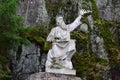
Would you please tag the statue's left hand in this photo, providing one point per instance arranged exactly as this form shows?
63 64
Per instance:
83 11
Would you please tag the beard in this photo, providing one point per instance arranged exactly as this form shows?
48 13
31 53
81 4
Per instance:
62 25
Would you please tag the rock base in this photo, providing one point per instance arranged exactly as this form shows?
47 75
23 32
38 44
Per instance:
52 76
61 71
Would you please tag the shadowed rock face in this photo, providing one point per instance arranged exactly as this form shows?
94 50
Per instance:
116 72
26 62
29 59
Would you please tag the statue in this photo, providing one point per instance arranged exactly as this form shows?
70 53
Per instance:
63 48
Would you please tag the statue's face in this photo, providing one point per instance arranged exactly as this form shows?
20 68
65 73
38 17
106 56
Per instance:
59 20
61 23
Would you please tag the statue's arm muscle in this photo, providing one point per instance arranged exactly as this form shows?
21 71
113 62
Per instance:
75 24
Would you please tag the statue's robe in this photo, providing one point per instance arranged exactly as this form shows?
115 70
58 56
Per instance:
62 46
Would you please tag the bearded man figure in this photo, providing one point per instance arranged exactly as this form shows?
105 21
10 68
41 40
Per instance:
63 47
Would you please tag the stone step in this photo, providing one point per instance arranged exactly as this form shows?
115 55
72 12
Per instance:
52 76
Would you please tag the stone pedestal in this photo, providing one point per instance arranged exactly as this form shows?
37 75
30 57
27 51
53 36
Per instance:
61 71
52 76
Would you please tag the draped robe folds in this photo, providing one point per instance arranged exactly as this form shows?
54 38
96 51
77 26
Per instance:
62 46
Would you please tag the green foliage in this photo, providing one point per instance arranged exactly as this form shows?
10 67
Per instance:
111 44
3 59
88 65
81 40
5 76
86 4
53 9
95 11
38 34
11 33
10 25
4 71
105 31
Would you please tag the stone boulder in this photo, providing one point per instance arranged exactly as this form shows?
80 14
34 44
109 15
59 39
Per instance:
52 76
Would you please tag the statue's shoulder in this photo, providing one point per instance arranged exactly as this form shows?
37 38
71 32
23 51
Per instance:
55 28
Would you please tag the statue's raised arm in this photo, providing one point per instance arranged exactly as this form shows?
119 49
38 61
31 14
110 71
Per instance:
77 21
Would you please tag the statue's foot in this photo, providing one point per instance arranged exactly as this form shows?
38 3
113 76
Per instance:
56 66
61 71
67 63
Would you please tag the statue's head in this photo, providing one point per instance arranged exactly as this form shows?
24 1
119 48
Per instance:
59 20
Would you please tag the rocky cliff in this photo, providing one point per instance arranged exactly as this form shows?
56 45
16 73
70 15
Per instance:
96 50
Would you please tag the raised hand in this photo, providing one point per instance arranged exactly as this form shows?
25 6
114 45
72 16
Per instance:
83 11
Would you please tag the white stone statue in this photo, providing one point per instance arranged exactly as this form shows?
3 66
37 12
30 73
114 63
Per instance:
63 47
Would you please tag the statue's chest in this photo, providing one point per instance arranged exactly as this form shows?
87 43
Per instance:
62 34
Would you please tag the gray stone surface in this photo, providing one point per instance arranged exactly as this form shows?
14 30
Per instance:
34 12
98 48
29 59
61 71
26 61
51 76
109 9
97 42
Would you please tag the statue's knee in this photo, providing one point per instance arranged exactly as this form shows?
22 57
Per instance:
48 63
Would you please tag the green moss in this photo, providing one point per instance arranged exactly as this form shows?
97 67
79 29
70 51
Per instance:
104 26
95 11
53 8
5 76
114 3
88 65
38 34
105 31
111 45
4 70
81 40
